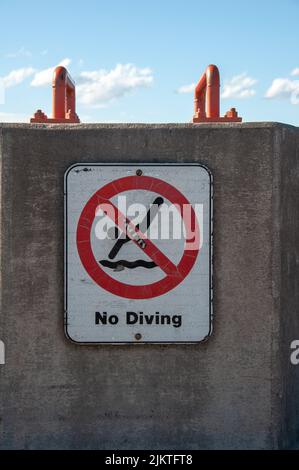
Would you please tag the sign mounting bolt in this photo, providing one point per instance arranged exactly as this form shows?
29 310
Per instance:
139 173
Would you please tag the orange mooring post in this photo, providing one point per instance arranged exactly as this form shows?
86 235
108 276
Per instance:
64 100
207 99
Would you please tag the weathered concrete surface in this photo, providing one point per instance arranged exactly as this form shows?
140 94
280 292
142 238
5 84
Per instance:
238 390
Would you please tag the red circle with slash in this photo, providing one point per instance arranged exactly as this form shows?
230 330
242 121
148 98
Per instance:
174 274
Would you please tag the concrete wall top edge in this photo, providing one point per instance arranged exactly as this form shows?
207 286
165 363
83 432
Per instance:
250 125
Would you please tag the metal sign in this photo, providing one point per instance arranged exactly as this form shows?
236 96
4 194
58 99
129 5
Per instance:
138 253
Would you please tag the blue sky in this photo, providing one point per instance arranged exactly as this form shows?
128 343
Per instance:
132 60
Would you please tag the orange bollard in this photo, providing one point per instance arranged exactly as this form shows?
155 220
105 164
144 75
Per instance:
64 100
207 99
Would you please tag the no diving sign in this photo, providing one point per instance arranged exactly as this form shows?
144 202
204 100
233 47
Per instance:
138 253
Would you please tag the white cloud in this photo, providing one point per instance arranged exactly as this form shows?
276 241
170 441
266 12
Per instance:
284 88
99 87
22 52
15 77
240 86
95 88
186 88
44 77
13 117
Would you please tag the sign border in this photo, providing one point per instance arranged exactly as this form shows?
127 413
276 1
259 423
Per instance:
211 236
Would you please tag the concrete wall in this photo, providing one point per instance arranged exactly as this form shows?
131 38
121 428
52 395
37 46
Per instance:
287 295
237 390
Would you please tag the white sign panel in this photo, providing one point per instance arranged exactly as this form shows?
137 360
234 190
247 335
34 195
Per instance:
138 253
